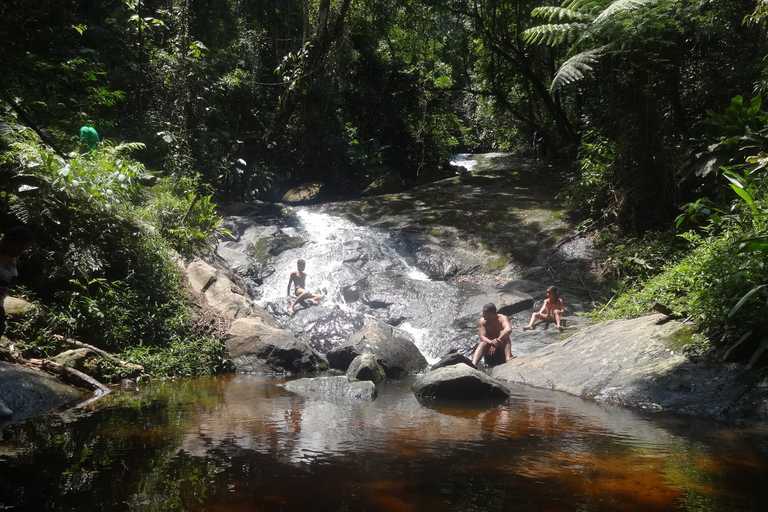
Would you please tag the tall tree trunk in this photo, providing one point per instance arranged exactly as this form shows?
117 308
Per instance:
325 34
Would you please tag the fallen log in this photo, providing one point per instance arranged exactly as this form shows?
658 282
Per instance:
99 351
69 375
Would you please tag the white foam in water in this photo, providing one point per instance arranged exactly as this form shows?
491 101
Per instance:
419 338
329 241
464 160
417 275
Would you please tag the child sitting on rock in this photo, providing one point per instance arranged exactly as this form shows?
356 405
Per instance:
551 310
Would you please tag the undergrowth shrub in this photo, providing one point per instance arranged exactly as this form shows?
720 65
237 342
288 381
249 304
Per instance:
103 266
591 194
722 281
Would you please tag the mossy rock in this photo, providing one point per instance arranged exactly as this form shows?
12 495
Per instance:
18 308
305 193
388 183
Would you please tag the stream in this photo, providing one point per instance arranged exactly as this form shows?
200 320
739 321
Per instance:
242 442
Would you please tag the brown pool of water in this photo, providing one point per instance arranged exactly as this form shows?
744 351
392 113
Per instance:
243 442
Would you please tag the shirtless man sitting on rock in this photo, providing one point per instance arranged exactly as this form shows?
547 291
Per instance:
494 330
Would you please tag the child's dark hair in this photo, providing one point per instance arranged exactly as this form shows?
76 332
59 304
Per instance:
490 307
552 289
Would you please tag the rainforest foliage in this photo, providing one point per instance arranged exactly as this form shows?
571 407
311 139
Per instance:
655 104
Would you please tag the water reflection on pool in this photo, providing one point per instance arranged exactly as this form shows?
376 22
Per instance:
244 443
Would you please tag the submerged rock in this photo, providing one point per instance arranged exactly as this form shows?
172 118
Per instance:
28 392
336 389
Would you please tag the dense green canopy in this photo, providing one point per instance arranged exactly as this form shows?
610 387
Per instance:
246 98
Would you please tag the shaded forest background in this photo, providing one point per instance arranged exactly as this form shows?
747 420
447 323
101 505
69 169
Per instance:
252 95
656 105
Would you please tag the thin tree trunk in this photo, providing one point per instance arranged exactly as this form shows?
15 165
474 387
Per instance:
308 66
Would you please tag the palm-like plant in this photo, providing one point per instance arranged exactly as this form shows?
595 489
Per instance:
595 28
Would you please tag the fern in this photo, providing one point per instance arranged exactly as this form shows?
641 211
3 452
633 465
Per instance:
575 68
553 34
551 13
620 8
595 27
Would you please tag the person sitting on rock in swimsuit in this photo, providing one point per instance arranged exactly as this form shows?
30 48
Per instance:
551 311
494 330
299 278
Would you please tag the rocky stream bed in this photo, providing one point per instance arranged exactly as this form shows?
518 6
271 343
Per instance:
428 259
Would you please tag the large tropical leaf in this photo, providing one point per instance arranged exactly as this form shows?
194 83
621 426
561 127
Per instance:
576 67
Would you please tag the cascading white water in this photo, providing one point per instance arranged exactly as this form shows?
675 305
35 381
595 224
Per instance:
339 253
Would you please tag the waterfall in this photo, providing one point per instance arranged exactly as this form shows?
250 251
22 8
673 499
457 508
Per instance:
341 256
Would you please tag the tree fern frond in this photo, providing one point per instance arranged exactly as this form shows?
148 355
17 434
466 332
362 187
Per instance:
591 7
575 68
123 148
551 13
552 34
620 8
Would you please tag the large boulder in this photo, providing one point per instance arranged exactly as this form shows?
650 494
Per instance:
450 359
397 355
18 308
389 182
458 382
224 293
78 358
336 389
256 346
28 392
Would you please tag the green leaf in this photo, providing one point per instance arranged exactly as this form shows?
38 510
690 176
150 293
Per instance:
742 193
736 344
744 299
756 244
759 352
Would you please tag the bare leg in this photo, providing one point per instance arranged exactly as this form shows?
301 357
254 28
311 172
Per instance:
530 326
508 351
300 297
558 321
479 352
315 298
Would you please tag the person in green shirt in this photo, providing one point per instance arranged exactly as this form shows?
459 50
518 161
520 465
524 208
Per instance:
88 139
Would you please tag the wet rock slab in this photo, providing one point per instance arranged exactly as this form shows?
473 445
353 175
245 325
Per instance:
28 392
638 363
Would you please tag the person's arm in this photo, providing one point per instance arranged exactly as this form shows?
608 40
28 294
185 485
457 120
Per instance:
544 307
506 327
290 281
